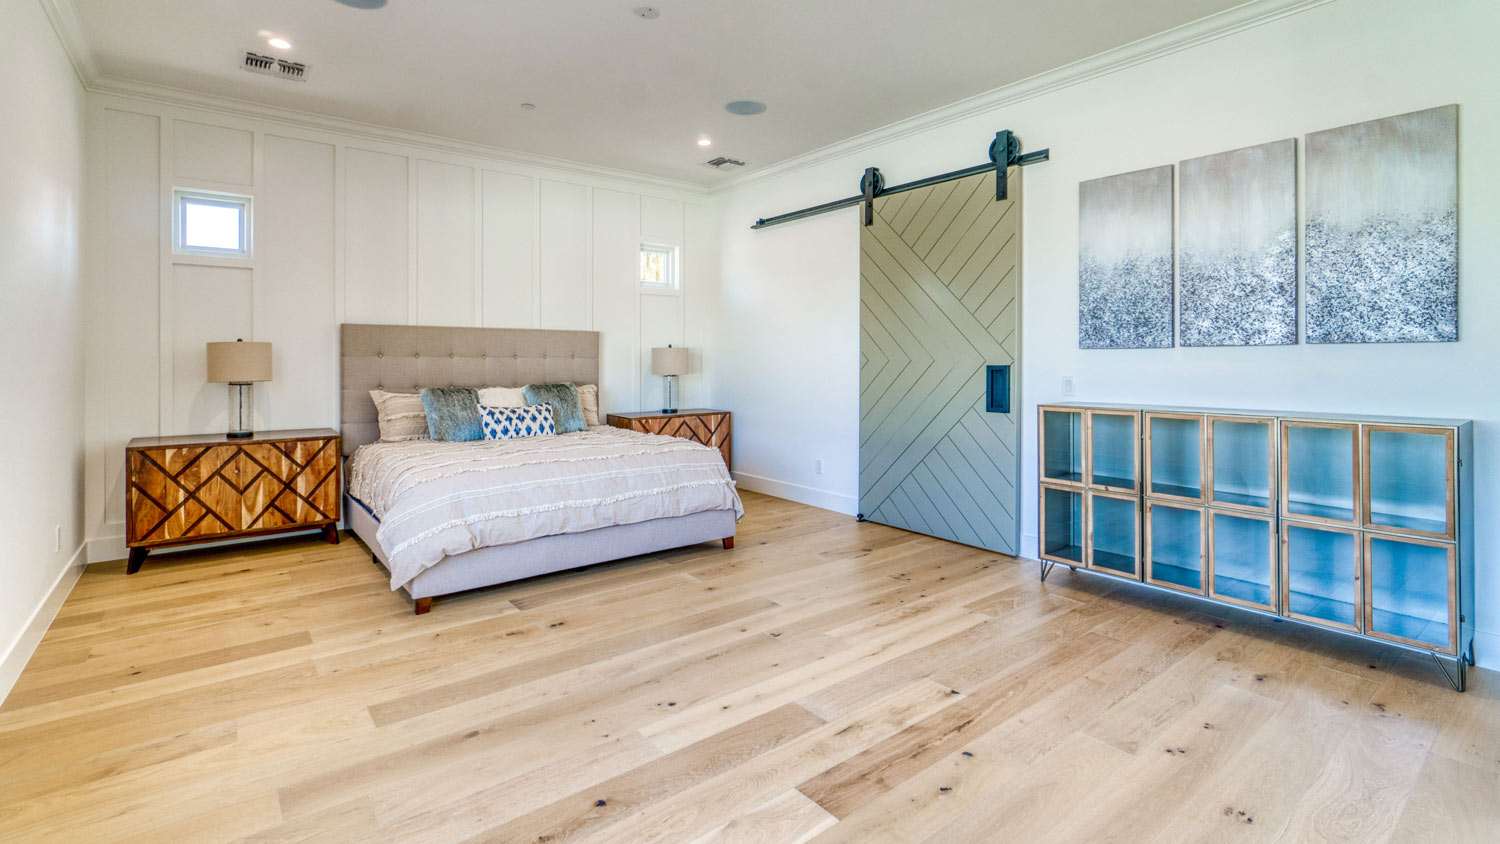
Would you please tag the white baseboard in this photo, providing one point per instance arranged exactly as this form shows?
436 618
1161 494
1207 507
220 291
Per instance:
105 548
826 499
20 650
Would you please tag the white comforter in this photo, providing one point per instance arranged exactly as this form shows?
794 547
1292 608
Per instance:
438 499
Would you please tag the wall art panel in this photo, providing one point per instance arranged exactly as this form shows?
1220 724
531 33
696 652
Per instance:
1382 230
1125 261
1237 251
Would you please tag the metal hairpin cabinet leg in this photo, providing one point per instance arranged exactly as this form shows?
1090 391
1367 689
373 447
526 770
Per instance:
1463 661
1047 568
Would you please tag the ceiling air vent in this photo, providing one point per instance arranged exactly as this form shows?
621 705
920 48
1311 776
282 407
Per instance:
272 66
723 163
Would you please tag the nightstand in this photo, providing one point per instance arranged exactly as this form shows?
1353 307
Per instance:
207 488
701 425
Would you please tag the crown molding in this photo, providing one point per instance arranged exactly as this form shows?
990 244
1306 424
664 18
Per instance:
1228 22
231 107
69 29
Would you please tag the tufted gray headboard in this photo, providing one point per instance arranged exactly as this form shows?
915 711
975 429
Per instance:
406 358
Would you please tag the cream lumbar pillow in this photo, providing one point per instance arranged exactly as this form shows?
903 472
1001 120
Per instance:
503 396
588 396
401 416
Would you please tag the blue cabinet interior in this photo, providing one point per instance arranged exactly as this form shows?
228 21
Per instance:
1358 524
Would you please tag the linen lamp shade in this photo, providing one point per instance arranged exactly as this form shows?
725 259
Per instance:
239 362
673 360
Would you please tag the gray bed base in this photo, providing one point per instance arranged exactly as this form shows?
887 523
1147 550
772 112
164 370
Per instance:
545 555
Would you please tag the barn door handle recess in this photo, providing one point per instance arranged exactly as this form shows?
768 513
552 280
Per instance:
997 389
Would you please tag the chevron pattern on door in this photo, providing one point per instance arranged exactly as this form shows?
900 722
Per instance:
939 300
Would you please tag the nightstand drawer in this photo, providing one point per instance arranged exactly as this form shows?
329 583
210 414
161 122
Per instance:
709 427
181 491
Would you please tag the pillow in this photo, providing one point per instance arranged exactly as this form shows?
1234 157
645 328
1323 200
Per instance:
588 396
401 416
567 408
509 423
452 414
503 396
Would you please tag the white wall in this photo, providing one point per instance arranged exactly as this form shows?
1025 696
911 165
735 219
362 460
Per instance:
789 350
348 228
41 417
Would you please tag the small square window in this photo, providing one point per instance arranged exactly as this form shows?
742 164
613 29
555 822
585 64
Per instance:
658 267
211 224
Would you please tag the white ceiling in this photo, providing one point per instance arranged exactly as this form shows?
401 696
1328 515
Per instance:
613 89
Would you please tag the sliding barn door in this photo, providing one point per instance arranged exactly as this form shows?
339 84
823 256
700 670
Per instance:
940 280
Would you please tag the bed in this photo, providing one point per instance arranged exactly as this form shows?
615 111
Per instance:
461 516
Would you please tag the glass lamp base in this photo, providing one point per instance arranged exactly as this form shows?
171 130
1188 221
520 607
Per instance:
240 411
669 393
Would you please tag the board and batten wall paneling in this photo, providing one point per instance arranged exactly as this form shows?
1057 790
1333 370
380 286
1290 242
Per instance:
617 246
564 242
123 245
207 153
661 324
376 211
209 304
445 244
346 229
294 289
509 230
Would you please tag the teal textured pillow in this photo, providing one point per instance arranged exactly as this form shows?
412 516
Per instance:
452 413
567 407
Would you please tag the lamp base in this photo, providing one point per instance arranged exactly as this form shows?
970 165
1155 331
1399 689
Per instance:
239 435
669 390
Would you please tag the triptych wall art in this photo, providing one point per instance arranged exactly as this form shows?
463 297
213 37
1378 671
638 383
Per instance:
1381 240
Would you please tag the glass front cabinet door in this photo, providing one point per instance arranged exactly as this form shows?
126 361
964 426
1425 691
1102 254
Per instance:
1062 525
1320 575
1174 548
1114 541
1320 472
1241 462
1173 457
1114 455
1409 480
1242 559
1410 592
1062 448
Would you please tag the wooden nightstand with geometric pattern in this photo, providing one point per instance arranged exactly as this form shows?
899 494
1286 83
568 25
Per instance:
699 424
207 488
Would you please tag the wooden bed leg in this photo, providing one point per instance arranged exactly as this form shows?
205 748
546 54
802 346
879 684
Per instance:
728 543
423 605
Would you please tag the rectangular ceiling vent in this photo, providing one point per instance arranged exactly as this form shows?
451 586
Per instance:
272 66
723 163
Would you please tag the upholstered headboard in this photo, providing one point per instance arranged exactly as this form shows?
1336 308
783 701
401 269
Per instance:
406 358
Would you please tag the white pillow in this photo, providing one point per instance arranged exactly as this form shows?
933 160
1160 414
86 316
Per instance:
401 416
503 396
588 396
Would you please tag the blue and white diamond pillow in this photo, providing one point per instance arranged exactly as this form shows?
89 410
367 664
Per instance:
508 423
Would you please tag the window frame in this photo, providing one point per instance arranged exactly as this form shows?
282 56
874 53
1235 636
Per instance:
672 268
183 197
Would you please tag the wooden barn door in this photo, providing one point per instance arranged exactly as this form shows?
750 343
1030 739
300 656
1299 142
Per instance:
940 280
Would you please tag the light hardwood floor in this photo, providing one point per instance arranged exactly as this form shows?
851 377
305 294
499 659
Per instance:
826 681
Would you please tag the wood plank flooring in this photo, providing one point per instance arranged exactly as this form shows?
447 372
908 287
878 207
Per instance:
826 681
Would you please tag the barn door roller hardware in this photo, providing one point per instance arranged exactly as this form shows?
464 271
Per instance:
1005 151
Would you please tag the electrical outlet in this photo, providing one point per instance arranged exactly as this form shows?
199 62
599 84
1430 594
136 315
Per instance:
1067 385
57 538
818 466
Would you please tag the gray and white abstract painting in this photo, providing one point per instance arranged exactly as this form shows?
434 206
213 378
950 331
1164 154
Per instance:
1382 230
1237 253
1125 261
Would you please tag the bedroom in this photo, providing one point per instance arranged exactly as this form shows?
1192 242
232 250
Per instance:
281 688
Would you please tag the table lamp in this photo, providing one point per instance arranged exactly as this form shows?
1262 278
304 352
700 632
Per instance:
669 363
239 364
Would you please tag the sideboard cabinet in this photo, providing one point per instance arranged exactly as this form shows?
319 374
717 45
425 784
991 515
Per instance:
1360 524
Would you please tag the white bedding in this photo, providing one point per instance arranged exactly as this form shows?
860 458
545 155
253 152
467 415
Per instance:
436 499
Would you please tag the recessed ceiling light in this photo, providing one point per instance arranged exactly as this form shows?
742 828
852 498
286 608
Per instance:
649 13
528 106
279 43
703 142
363 4
745 107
